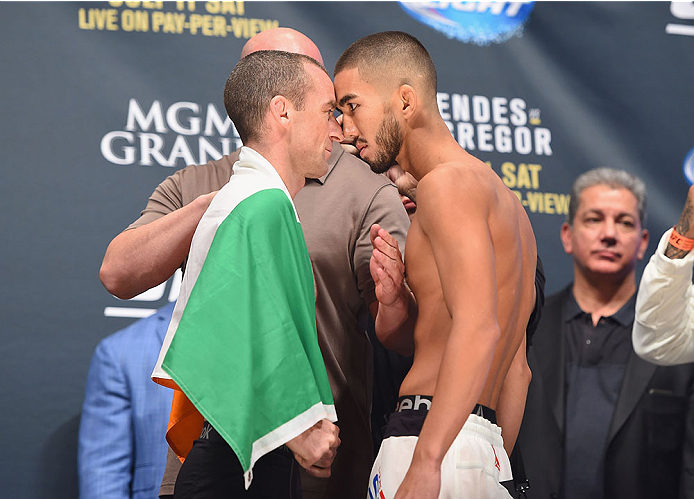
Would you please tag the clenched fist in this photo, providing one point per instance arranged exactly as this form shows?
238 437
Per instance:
315 449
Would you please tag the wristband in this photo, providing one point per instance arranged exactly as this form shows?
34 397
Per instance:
680 242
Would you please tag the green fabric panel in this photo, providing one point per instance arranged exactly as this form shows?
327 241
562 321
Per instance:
246 351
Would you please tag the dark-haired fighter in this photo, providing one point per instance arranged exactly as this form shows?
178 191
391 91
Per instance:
470 263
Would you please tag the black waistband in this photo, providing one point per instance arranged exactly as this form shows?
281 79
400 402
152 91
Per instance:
423 403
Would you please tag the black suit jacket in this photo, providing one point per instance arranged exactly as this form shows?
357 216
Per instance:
650 443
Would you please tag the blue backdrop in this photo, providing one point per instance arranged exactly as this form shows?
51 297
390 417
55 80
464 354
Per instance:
101 101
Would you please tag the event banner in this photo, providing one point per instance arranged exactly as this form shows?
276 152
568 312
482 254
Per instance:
101 101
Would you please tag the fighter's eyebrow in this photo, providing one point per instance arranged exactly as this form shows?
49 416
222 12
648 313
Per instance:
346 98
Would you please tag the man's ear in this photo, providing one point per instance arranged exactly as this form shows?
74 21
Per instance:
643 244
280 110
408 100
565 235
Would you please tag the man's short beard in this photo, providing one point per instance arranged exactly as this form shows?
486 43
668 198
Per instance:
389 138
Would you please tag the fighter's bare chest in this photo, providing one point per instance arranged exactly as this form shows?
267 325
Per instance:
421 272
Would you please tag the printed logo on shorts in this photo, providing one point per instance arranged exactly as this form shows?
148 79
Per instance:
496 460
375 491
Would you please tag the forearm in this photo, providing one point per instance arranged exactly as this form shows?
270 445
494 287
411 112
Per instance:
684 227
141 258
394 323
511 404
464 368
664 321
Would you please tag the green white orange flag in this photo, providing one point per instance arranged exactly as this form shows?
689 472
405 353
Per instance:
242 341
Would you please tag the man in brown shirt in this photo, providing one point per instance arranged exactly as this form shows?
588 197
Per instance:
337 212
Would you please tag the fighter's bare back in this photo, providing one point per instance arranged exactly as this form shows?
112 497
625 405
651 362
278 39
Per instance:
445 196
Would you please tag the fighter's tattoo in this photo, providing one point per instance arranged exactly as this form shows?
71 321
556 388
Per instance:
682 227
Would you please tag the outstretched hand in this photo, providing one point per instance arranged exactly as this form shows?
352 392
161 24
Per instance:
386 266
316 448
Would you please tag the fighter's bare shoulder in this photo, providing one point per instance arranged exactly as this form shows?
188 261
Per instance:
460 185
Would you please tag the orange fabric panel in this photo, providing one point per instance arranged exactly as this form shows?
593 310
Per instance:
185 425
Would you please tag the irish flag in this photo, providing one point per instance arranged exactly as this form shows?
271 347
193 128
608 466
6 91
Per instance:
242 342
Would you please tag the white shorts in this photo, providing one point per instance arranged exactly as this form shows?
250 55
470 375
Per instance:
472 468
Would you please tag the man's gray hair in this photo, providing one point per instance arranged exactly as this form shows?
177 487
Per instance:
610 177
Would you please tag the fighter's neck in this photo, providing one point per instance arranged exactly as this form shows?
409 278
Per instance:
279 159
424 148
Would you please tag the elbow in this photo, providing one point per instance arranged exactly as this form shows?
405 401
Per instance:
644 344
490 336
484 334
520 371
495 334
657 356
525 374
114 283
639 347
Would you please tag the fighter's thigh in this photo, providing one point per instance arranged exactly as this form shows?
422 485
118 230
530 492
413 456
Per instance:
391 465
471 469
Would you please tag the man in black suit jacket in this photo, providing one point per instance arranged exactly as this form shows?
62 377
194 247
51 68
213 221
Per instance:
600 423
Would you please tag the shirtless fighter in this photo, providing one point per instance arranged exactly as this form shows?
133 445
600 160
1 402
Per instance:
470 264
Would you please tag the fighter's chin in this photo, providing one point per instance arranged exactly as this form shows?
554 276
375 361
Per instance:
318 170
378 165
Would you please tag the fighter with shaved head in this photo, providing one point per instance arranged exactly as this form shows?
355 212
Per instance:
336 212
470 264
